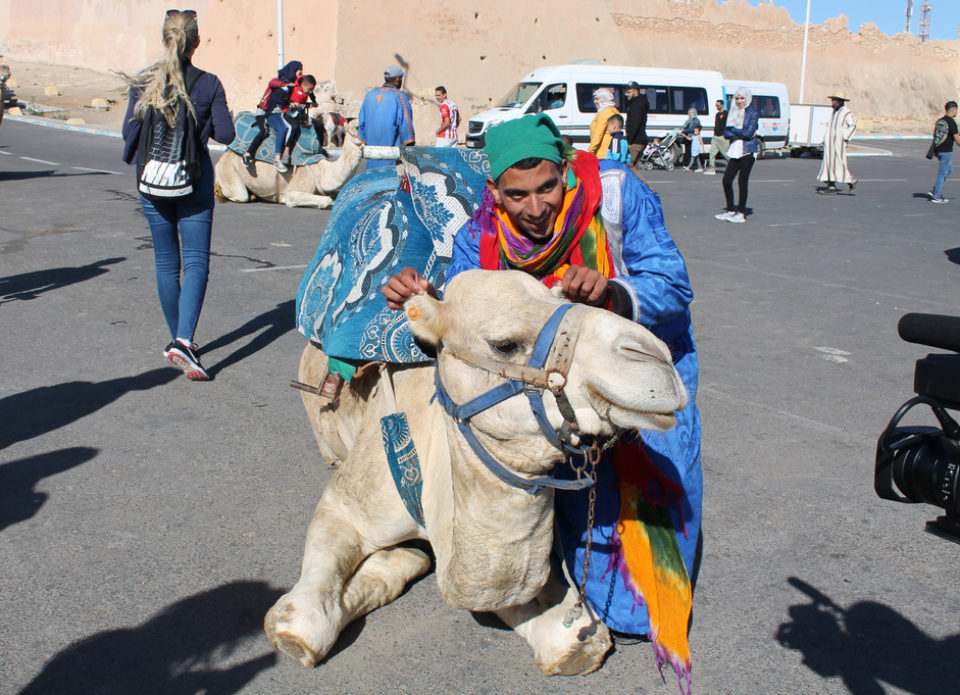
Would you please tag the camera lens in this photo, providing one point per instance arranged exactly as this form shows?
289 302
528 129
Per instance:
929 472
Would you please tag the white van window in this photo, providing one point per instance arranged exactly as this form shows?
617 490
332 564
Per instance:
767 107
519 95
585 96
676 100
553 96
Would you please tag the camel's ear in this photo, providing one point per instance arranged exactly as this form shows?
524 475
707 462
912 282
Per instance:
425 315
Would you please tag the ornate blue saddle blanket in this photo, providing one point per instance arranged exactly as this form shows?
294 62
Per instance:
306 151
378 225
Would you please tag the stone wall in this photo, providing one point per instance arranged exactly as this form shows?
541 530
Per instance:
479 48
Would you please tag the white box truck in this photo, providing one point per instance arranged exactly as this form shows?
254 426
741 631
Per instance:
808 128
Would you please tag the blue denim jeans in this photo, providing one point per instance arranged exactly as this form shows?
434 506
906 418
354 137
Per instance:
946 168
181 230
280 128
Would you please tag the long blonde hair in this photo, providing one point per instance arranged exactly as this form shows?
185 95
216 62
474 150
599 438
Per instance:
162 82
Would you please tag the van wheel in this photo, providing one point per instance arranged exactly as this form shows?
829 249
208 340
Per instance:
796 153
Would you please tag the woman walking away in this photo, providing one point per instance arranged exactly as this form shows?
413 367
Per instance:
741 132
180 226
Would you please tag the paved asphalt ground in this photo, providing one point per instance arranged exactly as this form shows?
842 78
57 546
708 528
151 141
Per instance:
148 522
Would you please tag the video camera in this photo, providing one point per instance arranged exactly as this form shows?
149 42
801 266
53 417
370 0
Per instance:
924 462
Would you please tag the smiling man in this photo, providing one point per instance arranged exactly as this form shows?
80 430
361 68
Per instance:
594 228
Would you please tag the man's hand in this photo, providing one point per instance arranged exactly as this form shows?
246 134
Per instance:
405 284
585 286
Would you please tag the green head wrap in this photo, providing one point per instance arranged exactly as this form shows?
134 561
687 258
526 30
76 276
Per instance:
533 135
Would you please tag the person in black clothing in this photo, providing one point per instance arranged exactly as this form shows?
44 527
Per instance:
718 144
637 108
945 133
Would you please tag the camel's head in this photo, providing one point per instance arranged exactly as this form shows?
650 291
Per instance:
620 377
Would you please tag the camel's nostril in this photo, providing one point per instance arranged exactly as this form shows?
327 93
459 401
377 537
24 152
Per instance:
641 351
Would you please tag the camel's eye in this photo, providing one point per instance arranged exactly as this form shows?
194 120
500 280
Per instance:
504 347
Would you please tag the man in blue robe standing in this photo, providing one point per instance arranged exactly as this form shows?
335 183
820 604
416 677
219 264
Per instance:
386 117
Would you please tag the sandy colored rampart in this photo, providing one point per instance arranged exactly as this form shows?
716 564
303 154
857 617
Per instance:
478 49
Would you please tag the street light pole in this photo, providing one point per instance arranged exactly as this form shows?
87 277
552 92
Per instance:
279 34
803 62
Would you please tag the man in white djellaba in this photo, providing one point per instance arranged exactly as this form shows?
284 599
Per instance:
842 126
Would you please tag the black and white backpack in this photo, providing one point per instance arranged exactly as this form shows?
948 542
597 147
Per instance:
168 158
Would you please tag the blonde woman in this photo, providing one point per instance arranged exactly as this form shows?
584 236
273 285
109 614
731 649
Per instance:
180 227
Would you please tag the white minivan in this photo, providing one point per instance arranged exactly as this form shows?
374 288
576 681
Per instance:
773 103
565 92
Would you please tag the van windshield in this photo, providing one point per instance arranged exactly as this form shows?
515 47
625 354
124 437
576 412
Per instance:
519 95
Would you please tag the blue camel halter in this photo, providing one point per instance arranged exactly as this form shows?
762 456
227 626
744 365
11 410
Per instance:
547 368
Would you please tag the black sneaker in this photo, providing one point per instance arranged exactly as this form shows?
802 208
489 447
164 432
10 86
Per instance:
185 358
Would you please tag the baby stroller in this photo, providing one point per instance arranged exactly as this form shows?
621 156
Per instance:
663 154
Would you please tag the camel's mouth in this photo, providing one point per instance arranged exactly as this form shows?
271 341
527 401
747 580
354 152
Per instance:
657 415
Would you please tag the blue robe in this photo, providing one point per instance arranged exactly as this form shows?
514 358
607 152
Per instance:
385 119
651 269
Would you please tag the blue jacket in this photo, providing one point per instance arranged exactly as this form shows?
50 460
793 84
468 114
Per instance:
213 115
748 133
652 274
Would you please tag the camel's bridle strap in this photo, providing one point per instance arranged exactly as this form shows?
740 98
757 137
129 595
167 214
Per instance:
547 368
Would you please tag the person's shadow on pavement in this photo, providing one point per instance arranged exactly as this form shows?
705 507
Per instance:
31 285
185 648
276 321
44 409
869 644
18 499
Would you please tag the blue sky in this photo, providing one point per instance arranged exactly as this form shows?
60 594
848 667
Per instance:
889 15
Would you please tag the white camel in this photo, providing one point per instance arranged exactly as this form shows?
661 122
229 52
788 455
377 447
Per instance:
492 541
301 186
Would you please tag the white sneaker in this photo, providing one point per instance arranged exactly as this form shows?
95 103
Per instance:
279 165
737 218
725 215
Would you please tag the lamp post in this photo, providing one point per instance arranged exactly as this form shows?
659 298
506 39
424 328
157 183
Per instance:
803 62
279 34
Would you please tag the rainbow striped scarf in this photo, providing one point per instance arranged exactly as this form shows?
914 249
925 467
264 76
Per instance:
649 560
579 236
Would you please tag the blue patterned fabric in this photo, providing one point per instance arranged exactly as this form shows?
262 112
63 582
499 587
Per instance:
377 226
404 462
306 151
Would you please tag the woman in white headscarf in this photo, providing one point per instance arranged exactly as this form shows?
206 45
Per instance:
741 131
606 105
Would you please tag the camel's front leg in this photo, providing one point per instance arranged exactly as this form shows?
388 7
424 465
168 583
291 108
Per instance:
306 621
295 199
560 649
338 583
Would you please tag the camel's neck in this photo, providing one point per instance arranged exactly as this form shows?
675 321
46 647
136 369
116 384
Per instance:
492 541
500 536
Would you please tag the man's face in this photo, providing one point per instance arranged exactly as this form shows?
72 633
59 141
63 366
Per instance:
952 112
836 103
532 198
439 96
719 105
632 93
